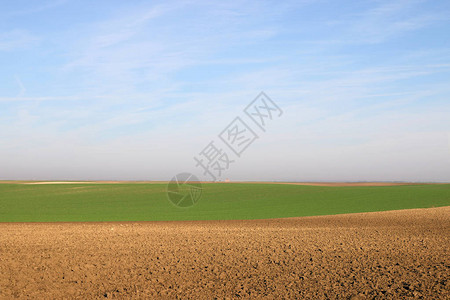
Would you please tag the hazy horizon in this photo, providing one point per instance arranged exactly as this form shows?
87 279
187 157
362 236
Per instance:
115 90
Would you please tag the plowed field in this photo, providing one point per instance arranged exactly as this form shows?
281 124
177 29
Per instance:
395 254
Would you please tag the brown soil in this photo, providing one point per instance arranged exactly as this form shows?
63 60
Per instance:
397 254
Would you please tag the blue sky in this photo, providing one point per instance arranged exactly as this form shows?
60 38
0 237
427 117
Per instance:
135 89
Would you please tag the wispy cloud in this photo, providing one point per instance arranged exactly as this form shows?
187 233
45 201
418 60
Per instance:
17 39
386 21
392 19
31 8
21 87
147 45
134 88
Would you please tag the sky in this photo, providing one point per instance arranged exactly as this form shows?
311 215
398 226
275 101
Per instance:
135 90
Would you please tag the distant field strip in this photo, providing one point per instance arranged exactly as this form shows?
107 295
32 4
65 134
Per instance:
82 202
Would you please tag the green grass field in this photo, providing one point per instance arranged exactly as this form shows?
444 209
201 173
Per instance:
148 201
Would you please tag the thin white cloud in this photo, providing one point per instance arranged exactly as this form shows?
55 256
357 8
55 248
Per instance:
384 22
42 6
21 98
16 39
22 88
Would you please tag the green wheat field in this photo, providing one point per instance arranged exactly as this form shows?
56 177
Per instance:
80 202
